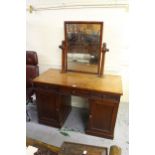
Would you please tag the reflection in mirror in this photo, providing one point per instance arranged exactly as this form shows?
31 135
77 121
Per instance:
82 62
83 42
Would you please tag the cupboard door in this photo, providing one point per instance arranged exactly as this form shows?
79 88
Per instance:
102 117
47 107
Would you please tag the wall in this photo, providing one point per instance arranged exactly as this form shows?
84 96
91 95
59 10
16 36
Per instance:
45 31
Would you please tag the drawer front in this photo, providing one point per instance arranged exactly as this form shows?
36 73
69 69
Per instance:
105 96
44 87
65 91
78 92
74 91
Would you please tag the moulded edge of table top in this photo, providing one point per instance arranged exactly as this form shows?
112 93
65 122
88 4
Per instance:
108 83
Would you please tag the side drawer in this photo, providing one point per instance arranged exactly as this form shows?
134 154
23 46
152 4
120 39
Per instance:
51 88
105 96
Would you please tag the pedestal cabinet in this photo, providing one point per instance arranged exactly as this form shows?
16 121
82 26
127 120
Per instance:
53 96
53 108
102 117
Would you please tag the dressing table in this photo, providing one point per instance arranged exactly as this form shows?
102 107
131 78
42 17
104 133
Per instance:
55 87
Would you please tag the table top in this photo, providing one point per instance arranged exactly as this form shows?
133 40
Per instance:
67 148
107 83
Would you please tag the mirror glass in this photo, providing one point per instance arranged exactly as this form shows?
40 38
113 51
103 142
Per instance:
83 43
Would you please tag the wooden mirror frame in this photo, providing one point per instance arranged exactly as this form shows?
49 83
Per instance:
102 50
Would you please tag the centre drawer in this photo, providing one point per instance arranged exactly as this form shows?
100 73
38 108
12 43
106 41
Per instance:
74 91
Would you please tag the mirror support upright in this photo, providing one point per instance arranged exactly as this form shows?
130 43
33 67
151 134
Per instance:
64 57
102 59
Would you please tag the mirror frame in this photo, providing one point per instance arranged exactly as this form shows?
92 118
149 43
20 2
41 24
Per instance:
102 49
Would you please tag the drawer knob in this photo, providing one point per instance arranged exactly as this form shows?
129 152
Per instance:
73 91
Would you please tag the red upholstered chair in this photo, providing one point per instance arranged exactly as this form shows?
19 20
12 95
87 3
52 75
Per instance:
32 71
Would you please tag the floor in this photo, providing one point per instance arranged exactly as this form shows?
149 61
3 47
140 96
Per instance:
73 129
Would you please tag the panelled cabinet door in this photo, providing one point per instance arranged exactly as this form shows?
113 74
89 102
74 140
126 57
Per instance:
47 107
102 117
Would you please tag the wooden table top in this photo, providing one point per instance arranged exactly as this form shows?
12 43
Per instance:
67 148
114 150
107 83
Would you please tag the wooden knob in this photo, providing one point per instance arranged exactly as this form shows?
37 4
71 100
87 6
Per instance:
57 110
73 92
104 48
62 45
90 116
107 50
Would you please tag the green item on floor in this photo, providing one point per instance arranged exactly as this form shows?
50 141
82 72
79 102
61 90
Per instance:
64 133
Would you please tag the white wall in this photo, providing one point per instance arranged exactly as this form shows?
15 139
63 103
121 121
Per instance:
45 31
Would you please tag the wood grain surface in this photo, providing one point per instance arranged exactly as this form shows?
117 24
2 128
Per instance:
107 83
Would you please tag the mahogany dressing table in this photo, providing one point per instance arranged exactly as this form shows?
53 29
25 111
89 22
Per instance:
53 96
81 75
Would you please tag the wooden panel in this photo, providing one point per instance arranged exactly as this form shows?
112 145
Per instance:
102 118
53 108
47 106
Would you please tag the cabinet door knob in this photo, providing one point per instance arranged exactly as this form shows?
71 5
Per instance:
90 116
